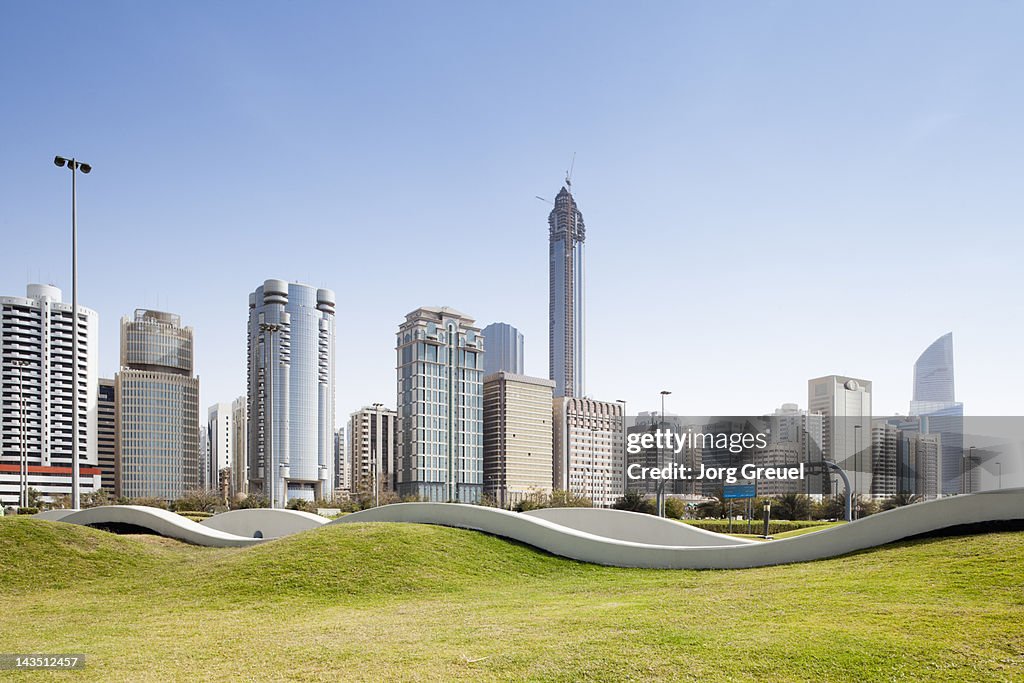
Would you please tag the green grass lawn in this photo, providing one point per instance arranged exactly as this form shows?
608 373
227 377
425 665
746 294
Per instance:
412 602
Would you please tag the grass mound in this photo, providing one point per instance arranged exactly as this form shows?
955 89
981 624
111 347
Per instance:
415 602
37 555
375 559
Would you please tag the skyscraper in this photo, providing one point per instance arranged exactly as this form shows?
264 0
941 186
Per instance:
35 401
589 458
567 296
933 376
291 391
157 399
220 437
372 449
106 434
239 447
935 403
440 406
504 349
342 465
845 405
517 437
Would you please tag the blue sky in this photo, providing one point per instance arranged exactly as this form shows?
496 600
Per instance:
773 191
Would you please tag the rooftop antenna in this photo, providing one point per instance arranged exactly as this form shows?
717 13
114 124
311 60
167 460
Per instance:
568 174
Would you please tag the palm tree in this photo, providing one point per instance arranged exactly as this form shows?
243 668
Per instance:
901 499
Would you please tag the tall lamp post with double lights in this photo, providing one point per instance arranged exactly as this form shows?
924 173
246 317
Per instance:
74 166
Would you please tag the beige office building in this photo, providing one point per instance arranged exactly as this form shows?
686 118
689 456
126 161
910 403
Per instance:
845 405
589 449
157 398
371 449
517 437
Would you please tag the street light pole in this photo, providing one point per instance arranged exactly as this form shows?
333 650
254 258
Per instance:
857 464
660 498
1000 466
73 166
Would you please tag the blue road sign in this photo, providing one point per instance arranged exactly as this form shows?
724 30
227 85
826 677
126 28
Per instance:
740 491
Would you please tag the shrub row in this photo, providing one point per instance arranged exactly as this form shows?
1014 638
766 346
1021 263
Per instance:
756 525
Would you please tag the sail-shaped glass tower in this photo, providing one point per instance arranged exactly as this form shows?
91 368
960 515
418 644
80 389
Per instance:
935 403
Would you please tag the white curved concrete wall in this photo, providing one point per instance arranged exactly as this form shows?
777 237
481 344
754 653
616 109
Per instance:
158 521
52 515
623 525
271 523
865 533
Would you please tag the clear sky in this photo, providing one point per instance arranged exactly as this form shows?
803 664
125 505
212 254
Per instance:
773 191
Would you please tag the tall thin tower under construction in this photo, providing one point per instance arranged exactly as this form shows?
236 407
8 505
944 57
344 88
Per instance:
566 302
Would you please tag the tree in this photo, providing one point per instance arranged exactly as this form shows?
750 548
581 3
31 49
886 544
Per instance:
34 497
302 505
714 508
832 507
252 502
198 500
567 499
148 501
865 506
792 506
674 508
61 502
634 501
95 499
901 499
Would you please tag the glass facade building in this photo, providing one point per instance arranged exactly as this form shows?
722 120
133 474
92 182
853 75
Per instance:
291 391
504 349
935 403
157 406
566 296
440 356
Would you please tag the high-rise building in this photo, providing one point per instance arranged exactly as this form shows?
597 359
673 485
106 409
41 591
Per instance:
935 403
372 449
106 434
203 470
689 456
35 401
220 437
342 464
917 457
885 440
589 449
845 405
239 447
794 436
291 391
567 296
504 349
440 406
517 437
157 397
